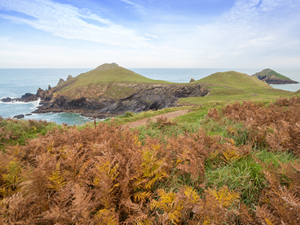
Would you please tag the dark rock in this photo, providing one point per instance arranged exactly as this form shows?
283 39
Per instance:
28 114
69 77
21 116
60 81
8 99
145 97
192 80
28 97
44 95
49 87
274 81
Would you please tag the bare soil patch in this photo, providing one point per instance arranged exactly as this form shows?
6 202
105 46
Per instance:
170 115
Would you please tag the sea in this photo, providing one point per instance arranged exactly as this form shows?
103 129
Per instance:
16 82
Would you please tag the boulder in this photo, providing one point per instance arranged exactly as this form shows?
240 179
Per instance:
21 116
28 97
8 99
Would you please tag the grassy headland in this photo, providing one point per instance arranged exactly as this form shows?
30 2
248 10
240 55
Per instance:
233 86
100 80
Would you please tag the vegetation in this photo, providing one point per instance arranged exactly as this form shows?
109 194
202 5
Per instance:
13 132
98 79
131 117
271 74
224 162
233 164
232 86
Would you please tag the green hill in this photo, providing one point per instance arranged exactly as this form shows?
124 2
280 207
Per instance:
111 73
235 80
100 80
272 77
232 86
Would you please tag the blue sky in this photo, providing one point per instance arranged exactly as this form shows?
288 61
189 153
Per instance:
150 33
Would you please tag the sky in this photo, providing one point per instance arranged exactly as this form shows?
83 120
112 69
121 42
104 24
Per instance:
150 33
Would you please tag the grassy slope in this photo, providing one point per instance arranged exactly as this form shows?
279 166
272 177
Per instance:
106 74
297 93
225 86
107 80
271 74
232 86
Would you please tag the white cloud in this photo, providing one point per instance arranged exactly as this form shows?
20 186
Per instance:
251 33
138 8
152 36
66 21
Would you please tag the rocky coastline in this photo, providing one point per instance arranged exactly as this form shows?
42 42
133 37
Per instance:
144 97
275 81
28 97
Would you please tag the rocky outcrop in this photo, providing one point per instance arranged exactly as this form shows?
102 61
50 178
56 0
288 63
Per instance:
145 97
272 77
21 116
28 97
8 99
60 81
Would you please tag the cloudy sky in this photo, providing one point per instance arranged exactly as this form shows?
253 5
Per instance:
150 33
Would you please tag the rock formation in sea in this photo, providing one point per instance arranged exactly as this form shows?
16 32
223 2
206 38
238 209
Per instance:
28 97
272 77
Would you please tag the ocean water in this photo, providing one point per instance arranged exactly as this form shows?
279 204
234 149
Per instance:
16 82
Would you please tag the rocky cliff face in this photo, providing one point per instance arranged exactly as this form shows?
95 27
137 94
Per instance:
142 97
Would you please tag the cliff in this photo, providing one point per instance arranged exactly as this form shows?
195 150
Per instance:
272 77
110 89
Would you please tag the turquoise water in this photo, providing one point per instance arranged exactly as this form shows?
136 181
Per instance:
16 82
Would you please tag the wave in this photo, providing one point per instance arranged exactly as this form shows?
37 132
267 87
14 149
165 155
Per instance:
37 102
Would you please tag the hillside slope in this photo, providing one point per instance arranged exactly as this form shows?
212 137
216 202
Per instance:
113 89
272 77
235 86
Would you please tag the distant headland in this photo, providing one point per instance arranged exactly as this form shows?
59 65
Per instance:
272 77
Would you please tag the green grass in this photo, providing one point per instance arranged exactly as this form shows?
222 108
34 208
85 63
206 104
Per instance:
227 87
297 93
108 73
244 176
235 80
131 117
271 74
19 131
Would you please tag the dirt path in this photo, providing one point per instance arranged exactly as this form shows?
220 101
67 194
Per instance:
170 115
